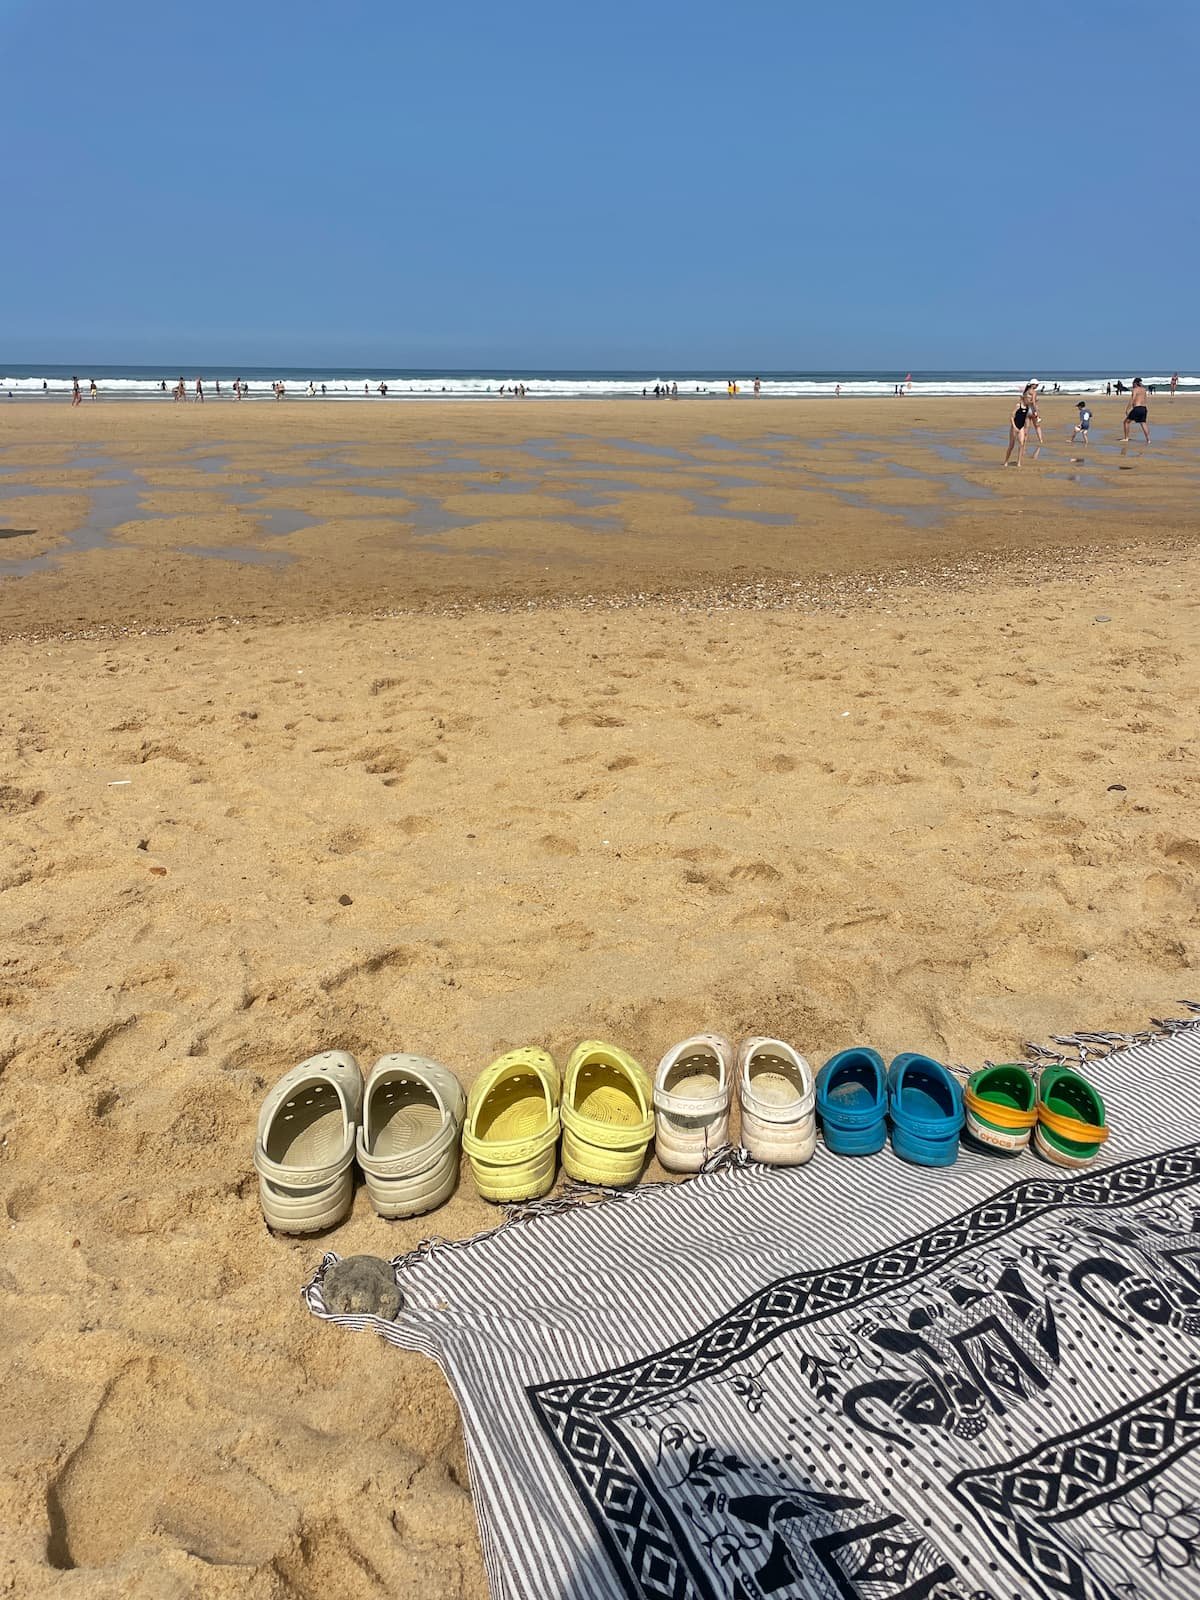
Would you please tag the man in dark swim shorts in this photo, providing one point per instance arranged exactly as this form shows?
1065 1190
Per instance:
1138 410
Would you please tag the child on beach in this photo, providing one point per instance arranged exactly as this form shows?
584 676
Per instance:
1018 423
1084 423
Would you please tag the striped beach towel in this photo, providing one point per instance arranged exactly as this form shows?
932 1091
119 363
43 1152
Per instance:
857 1379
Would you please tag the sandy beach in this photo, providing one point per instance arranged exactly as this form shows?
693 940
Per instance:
540 723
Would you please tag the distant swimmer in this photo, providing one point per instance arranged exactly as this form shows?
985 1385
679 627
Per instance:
200 390
366 388
92 389
1084 423
1174 384
1016 429
674 391
757 387
322 388
46 387
76 397
837 391
163 386
218 386
383 390
1138 411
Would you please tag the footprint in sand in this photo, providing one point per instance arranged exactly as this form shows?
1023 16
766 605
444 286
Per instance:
14 800
557 845
124 1480
777 763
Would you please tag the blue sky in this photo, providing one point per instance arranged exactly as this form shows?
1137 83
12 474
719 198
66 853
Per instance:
651 184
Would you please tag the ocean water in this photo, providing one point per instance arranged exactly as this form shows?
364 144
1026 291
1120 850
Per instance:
145 383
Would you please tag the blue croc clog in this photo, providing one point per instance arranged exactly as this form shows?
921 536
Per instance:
852 1102
925 1103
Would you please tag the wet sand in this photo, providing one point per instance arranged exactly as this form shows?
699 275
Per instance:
942 797
143 515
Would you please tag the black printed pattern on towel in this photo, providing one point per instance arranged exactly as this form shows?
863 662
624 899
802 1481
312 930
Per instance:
1100 1511
855 1432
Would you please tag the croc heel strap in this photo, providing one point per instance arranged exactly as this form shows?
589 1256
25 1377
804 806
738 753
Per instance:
853 1129
1069 1140
928 1141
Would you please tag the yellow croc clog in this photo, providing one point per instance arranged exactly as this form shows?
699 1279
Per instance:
607 1115
512 1126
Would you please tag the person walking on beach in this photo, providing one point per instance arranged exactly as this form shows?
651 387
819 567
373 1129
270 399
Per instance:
1138 410
92 390
1031 391
1083 424
1174 384
200 390
837 391
76 397
1016 428
757 387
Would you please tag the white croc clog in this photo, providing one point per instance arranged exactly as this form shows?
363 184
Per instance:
410 1135
692 1089
304 1152
778 1100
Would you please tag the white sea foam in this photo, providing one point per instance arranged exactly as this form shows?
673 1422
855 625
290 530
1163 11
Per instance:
561 387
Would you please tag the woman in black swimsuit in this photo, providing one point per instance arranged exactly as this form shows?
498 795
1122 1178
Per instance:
1016 428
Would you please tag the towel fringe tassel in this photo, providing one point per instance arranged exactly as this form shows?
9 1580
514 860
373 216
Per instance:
1089 1042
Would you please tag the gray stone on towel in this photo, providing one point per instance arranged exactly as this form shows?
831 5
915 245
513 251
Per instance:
362 1286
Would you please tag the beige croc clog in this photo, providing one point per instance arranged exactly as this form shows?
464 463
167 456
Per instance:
409 1138
304 1152
692 1089
778 1101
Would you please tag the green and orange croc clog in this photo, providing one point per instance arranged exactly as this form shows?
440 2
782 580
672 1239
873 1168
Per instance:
1071 1126
1001 1104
